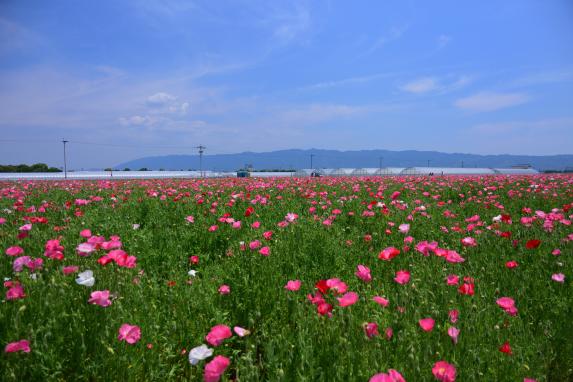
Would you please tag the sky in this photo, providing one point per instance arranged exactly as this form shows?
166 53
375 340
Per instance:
123 79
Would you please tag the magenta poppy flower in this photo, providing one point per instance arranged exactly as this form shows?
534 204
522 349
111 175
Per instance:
558 277
218 334
22 345
348 299
427 324
15 291
469 242
265 251
391 376
452 280
70 269
507 304
224 289
444 372
363 273
454 332
293 285
402 277
14 251
371 329
381 301
129 333
215 368
86 233
100 297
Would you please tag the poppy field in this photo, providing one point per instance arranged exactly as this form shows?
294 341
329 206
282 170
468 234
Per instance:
461 278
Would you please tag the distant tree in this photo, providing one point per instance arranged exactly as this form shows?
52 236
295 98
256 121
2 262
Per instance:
38 167
143 169
108 169
127 169
161 169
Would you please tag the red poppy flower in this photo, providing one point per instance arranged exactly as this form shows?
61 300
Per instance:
532 244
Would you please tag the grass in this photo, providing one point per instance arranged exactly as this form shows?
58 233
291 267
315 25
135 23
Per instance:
289 341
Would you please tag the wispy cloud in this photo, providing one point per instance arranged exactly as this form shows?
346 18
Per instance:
348 81
490 101
290 24
544 77
393 34
436 85
421 85
536 126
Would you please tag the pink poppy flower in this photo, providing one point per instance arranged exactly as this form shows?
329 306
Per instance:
70 269
293 285
100 297
454 332
558 277
2 221
380 301
556 252
469 242
452 279
454 257
453 315
25 227
15 292
86 233
14 251
391 376
224 289
22 345
404 228
427 324
129 333
190 219
363 273
265 251
20 262
218 334
213 228
254 244
336 285
85 249
371 329
268 235
388 253
348 299
507 304
512 264
402 277
215 368
241 332
444 372
256 225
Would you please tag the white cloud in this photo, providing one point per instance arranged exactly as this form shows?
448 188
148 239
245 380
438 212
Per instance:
291 24
490 101
421 85
135 120
160 99
436 85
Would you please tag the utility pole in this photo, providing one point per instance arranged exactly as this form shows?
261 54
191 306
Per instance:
311 156
428 163
381 158
201 150
65 164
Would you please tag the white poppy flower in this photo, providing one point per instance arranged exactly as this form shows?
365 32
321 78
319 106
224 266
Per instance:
199 353
86 278
192 273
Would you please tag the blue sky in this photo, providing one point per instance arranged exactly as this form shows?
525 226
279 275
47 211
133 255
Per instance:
159 77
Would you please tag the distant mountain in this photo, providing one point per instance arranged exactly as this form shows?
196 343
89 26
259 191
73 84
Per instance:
289 159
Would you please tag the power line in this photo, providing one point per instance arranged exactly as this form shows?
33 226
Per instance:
97 144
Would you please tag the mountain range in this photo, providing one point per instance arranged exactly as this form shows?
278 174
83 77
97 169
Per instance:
296 159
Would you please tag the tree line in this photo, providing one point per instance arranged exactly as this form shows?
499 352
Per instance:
38 167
